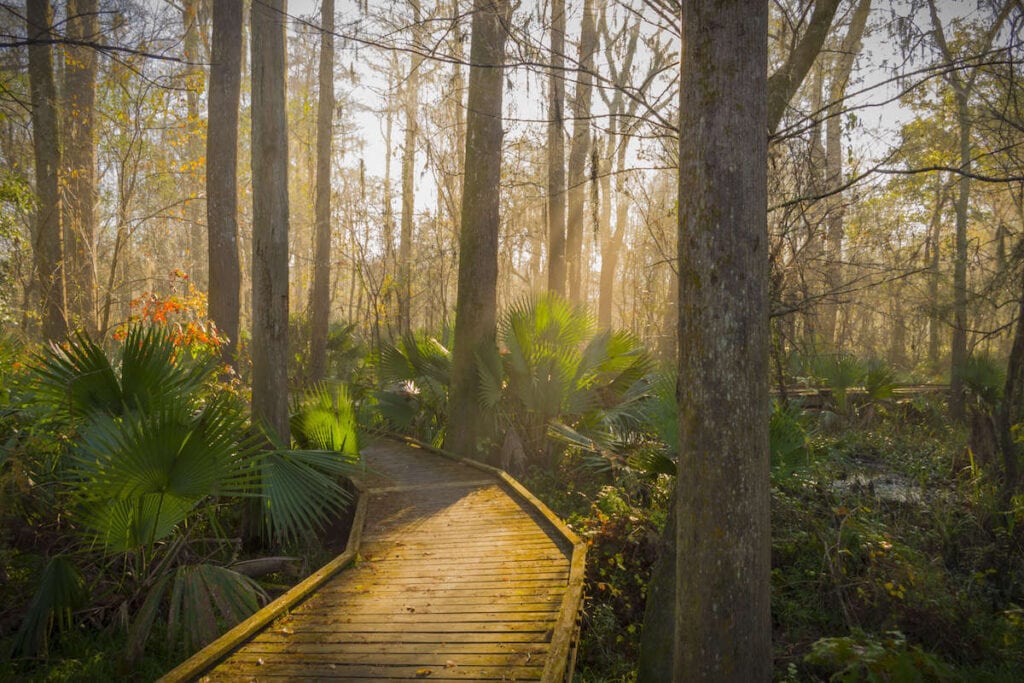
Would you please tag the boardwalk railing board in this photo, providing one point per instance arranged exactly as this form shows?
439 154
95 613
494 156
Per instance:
540 603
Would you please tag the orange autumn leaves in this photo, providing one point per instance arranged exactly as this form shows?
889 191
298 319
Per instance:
184 314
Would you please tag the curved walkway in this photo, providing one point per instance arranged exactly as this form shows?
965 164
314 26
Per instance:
459 574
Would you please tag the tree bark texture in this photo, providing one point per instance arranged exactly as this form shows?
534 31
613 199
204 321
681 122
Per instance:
270 218
47 242
79 200
556 152
319 295
225 279
412 94
723 562
579 152
476 303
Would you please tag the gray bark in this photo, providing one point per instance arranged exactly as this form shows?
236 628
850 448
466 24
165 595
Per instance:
723 555
579 152
319 295
225 279
47 240
270 218
79 200
476 304
556 152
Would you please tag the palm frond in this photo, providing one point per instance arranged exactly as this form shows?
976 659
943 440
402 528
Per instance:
61 590
301 491
206 599
77 379
325 421
153 371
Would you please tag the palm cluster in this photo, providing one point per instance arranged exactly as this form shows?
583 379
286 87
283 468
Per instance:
157 454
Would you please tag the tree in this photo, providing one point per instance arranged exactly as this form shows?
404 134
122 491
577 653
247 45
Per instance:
48 242
269 218
963 87
79 200
579 151
412 94
319 295
834 231
476 303
556 152
723 560
222 173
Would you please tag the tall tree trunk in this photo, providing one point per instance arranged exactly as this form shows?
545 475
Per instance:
836 207
79 200
579 152
319 295
412 94
476 304
723 560
269 218
556 152
225 279
962 88
47 242
932 263
958 345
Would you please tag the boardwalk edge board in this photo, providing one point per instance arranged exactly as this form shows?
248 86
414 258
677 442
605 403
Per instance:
193 667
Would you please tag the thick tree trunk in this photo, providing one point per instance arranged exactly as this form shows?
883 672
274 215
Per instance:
475 313
723 563
412 94
225 279
319 294
79 201
47 242
556 152
579 152
269 218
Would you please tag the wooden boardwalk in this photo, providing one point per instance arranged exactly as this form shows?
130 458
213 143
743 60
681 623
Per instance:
458 574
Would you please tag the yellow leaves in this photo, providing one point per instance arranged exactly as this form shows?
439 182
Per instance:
423 673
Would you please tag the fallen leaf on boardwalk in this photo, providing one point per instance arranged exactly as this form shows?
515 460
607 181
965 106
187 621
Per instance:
259 662
450 664
285 631
423 673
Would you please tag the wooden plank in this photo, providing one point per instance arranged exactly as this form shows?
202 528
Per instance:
325 670
346 648
331 636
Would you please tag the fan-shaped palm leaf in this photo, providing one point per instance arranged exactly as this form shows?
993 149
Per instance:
140 475
61 590
77 379
154 371
301 490
326 422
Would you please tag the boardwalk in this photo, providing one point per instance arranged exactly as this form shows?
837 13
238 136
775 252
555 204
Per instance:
459 575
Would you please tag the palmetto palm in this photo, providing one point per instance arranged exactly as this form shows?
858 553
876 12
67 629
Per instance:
156 453
416 372
556 374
